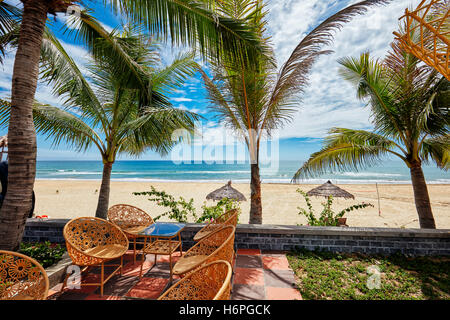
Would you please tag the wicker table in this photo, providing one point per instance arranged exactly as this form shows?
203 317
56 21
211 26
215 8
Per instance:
167 239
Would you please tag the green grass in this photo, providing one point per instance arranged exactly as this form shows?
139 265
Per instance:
46 253
326 275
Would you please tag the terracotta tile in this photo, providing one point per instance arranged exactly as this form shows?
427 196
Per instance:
274 293
248 261
248 292
279 278
275 262
148 288
85 279
273 252
133 269
56 288
144 294
150 283
254 276
160 270
118 285
249 251
165 258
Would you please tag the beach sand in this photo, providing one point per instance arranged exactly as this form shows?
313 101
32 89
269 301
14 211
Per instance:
75 198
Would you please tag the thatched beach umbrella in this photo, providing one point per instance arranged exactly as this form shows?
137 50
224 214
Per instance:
328 189
227 191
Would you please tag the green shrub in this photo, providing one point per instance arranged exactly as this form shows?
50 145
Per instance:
212 212
178 210
181 210
45 253
327 217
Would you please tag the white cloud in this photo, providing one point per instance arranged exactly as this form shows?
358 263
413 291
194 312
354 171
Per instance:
329 101
44 92
181 99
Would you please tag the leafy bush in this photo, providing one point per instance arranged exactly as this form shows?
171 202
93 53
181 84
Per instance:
327 217
212 212
181 210
177 209
45 253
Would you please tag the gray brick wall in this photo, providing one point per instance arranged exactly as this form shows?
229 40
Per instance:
413 242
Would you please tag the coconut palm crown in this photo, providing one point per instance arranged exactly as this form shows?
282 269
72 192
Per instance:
409 103
105 109
256 99
188 22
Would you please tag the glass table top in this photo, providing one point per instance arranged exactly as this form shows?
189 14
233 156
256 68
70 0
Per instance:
162 229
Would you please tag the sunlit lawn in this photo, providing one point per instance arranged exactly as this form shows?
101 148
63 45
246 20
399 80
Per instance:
325 275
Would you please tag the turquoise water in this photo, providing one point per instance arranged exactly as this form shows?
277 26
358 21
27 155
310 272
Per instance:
282 172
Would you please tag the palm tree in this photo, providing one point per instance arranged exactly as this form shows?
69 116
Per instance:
255 99
107 111
409 104
191 22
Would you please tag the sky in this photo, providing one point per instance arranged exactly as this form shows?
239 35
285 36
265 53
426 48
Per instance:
327 102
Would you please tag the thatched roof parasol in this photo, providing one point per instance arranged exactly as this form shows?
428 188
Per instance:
227 191
328 189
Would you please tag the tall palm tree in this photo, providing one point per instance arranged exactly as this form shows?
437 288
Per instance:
107 111
409 104
256 99
191 22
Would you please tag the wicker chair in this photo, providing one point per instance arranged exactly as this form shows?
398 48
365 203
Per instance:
21 277
210 282
230 217
216 246
92 242
131 220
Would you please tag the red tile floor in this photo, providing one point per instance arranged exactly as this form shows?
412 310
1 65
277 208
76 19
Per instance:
257 276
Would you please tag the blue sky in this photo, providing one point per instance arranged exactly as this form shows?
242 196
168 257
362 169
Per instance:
327 102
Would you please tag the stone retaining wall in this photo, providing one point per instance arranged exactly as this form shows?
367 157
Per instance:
413 242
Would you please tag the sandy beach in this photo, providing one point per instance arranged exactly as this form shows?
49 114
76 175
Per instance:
76 198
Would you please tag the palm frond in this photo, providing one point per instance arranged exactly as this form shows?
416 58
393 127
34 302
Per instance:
108 46
153 129
293 77
438 149
368 76
5 107
346 150
59 70
63 126
167 79
57 124
226 110
9 26
195 23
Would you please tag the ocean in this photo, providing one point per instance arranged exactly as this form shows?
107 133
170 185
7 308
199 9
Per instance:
390 172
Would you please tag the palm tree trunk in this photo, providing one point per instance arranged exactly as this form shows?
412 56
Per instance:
421 198
255 201
103 197
21 131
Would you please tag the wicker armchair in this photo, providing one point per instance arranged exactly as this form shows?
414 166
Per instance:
210 282
21 277
92 242
230 217
131 220
216 246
